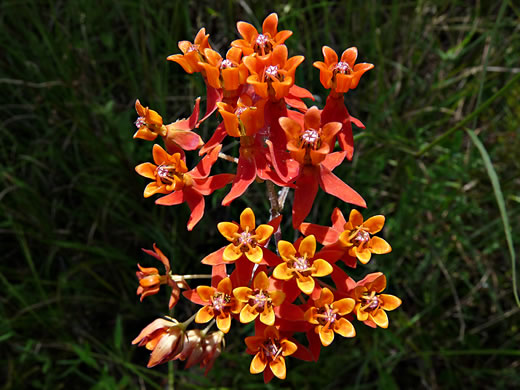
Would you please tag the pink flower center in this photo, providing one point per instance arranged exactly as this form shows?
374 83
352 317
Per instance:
343 67
326 315
220 300
300 264
192 48
239 111
140 122
166 173
226 64
272 71
260 299
361 238
271 348
261 40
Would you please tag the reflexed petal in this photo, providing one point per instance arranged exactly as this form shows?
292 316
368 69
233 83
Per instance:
247 219
306 284
282 272
332 185
344 328
326 336
277 297
206 293
224 323
255 254
231 253
242 293
248 314
257 364
344 306
267 316
196 204
228 229
277 366
326 297
225 286
380 318
261 281
379 246
349 56
308 246
324 235
205 314
390 302
374 224
304 195
246 174
321 268
364 255
263 232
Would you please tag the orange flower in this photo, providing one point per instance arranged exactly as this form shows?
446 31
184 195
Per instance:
168 173
220 303
259 300
269 349
310 145
149 124
193 53
261 44
371 307
246 239
273 78
228 73
245 119
328 315
164 337
300 264
343 75
356 236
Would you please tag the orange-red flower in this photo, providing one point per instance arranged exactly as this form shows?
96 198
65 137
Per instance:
192 53
228 73
150 280
270 351
164 337
273 78
371 306
246 239
261 44
309 146
171 177
328 316
354 237
341 75
219 303
244 119
300 264
149 123
260 300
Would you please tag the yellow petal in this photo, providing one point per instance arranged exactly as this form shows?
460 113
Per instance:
242 293
267 316
159 155
379 284
205 314
306 284
257 364
310 315
361 314
355 218
248 314
344 306
224 323
255 254
379 246
147 170
374 224
231 253
228 230
326 336
326 297
277 297
277 366
344 328
380 318
247 219
282 272
288 347
225 286
308 246
286 250
364 255
263 232
390 302
321 268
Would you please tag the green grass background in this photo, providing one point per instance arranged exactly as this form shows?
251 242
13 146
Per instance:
439 158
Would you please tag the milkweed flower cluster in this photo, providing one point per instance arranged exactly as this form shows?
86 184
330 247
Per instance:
283 287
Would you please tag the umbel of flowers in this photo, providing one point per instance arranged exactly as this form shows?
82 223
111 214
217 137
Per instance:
283 287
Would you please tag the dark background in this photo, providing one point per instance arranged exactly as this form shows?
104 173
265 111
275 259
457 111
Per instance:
73 218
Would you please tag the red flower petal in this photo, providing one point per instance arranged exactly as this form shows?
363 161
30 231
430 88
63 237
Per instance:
332 185
196 204
174 198
304 195
214 258
216 139
213 96
246 174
